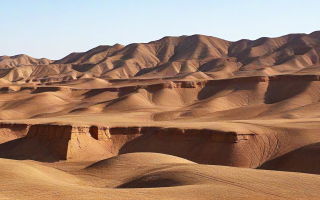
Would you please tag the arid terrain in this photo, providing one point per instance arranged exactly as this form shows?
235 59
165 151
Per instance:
189 117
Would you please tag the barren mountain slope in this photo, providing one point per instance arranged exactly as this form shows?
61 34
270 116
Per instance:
185 57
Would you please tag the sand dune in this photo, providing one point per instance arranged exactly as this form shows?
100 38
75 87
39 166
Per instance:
155 176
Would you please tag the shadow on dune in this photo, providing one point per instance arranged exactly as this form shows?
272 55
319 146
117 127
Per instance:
192 147
304 159
83 67
225 87
209 91
35 148
151 182
284 89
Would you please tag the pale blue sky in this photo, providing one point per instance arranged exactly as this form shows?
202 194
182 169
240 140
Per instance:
55 28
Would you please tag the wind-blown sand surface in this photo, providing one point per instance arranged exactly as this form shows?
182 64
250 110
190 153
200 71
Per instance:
151 176
190 117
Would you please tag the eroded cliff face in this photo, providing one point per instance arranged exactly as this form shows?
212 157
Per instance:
46 142
12 131
49 143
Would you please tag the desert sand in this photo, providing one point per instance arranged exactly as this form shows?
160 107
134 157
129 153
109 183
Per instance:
189 117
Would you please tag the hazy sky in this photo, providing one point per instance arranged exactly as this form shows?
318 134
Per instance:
55 28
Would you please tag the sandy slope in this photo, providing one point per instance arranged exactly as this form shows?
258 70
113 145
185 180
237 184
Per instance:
153 176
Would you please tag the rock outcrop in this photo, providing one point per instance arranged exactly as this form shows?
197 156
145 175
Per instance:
12 131
47 142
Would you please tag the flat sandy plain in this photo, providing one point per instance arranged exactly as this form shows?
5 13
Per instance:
190 117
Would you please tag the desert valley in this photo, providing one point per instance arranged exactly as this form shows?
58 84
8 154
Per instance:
189 117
